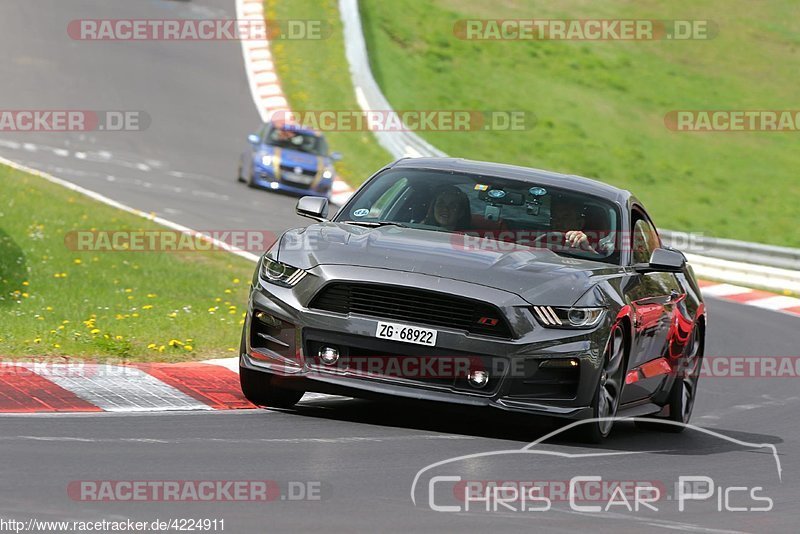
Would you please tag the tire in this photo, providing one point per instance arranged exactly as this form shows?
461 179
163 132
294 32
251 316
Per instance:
683 393
609 388
258 388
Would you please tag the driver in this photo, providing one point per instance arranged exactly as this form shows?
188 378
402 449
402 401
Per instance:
567 218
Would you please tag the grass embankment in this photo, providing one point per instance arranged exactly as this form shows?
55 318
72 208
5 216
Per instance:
138 306
600 106
315 77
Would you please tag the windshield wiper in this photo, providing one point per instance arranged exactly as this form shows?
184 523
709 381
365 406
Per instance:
376 224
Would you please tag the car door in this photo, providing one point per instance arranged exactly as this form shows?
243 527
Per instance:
653 297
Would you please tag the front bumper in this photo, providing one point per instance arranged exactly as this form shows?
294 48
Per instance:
265 177
286 338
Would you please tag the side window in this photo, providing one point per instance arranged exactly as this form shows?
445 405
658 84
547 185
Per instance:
387 199
265 131
645 241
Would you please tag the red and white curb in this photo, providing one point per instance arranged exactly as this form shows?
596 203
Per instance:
265 87
151 387
751 297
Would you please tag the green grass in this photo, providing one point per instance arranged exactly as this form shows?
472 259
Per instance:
137 306
600 105
315 77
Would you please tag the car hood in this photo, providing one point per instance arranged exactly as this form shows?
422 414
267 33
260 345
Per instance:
295 158
537 275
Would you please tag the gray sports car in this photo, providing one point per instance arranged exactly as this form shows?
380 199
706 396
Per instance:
479 284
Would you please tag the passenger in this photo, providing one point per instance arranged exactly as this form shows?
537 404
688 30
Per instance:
450 209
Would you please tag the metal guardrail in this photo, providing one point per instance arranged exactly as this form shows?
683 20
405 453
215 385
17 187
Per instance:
733 250
369 95
409 144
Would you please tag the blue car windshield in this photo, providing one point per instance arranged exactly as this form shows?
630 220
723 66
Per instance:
490 212
295 140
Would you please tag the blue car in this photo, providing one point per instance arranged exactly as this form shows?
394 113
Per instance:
290 158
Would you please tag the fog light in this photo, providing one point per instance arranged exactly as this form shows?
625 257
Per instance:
328 355
478 379
268 319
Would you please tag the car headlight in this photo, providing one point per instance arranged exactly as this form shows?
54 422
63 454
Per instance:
281 274
556 317
266 160
328 174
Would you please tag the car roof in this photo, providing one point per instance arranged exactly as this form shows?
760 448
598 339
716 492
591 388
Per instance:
536 176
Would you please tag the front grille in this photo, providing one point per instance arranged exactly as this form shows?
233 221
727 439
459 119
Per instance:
412 305
303 172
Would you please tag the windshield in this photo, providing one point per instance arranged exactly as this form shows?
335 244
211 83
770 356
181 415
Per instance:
485 211
286 137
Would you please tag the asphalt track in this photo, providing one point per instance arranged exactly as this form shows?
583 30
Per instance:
364 454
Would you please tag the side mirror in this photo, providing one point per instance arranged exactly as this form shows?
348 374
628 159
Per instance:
663 260
313 207
336 156
253 139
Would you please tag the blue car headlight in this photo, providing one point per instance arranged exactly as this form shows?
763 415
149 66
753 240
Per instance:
281 274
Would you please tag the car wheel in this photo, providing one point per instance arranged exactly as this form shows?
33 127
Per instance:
609 388
258 387
684 389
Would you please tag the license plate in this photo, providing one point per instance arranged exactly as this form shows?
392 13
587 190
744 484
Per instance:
298 178
407 334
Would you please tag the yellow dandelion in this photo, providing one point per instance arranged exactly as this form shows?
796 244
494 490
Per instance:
235 280
151 295
76 261
128 290
228 291
57 346
173 314
231 349
25 284
187 347
37 340
134 315
147 306
95 331
151 346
